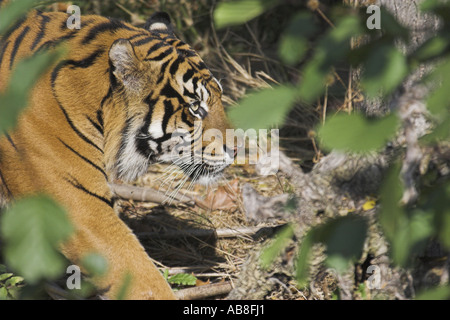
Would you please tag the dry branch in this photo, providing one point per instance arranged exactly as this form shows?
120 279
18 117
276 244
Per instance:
146 194
204 233
206 291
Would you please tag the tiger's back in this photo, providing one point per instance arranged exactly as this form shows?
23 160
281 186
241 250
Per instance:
105 111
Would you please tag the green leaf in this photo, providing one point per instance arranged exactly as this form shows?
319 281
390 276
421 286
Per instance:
95 264
282 239
409 237
433 48
13 12
294 40
439 293
33 229
263 109
3 293
438 202
124 288
391 215
384 70
238 12
302 266
183 279
5 276
14 281
344 239
438 102
355 133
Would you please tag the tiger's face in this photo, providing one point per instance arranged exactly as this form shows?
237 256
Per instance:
174 108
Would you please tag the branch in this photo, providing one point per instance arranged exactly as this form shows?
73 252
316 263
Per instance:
206 291
146 194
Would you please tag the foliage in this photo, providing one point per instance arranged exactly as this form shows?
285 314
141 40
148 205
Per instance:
180 279
384 68
32 228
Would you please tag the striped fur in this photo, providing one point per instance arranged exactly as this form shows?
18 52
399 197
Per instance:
105 111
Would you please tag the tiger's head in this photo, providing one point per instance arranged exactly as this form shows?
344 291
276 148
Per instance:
173 102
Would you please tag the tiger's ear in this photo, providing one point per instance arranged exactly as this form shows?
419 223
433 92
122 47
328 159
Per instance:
159 22
125 63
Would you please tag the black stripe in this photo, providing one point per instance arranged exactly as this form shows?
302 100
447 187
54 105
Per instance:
168 112
158 45
143 41
188 75
96 125
174 67
161 56
17 44
169 92
100 118
185 119
74 182
42 29
2 178
78 132
162 72
108 95
97 30
53 43
85 159
3 50
10 140
141 144
85 63
14 27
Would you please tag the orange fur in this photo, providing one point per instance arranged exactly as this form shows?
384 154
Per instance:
68 141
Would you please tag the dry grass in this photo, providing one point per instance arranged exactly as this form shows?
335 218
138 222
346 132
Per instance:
173 243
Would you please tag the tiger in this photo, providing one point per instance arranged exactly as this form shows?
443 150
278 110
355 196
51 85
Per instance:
105 112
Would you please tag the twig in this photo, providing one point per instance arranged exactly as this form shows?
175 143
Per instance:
219 233
201 292
145 194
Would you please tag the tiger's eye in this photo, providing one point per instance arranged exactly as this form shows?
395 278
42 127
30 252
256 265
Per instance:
194 106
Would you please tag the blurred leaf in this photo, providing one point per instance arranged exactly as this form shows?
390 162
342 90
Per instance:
438 101
33 230
438 7
294 40
439 293
384 70
392 27
391 214
263 109
331 49
238 12
5 276
3 293
183 279
438 202
24 77
14 281
355 133
124 288
344 239
95 264
432 48
411 232
282 239
302 266
12 12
